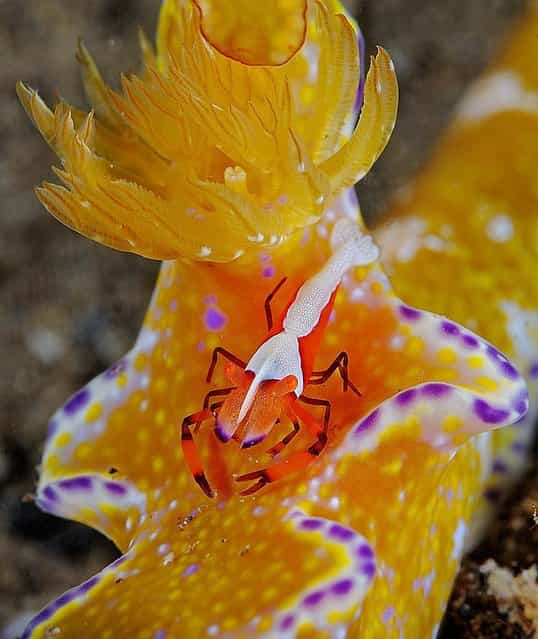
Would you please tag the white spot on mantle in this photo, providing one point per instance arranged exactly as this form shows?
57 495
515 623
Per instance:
500 229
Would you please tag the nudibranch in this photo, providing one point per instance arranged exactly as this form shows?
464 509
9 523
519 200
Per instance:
231 156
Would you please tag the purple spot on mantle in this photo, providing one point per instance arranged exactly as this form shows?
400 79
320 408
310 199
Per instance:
369 569
342 587
115 488
520 448
339 532
509 370
449 328
311 524
495 354
160 634
417 583
50 493
499 466
406 396
115 369
388 614
521 407
287 622
214 319
367 422
533 370
488 413
352 198
77 401
190 570
470 340
365 552
76 483
306 237
269 271
436 389
44 505
314 598
408 313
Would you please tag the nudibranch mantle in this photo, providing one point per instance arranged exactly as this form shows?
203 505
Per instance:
377 525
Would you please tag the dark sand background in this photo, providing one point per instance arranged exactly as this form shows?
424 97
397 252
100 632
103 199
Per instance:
71 307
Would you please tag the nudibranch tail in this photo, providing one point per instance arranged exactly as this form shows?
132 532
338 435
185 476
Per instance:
213 151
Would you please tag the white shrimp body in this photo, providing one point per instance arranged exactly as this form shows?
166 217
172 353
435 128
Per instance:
279 356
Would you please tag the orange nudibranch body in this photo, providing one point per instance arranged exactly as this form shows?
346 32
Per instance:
230 156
